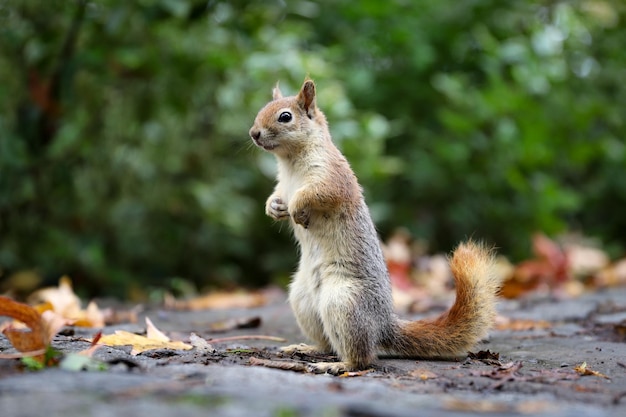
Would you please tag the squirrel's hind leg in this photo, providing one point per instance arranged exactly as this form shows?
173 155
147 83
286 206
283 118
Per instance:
352 334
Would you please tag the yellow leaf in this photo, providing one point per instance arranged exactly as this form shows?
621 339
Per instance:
155 339
153 333
63 301
583 370
218 300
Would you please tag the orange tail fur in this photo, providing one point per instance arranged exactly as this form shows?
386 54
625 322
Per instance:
468 320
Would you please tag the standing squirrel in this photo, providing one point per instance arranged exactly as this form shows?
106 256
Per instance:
341 292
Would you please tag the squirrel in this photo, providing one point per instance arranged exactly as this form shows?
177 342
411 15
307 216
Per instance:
341 293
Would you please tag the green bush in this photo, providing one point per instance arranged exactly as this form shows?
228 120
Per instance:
125 161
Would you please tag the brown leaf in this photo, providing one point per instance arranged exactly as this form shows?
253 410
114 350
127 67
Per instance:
612 276
486 356
583 370
24 341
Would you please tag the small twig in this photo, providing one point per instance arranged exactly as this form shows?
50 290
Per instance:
247 337
284 365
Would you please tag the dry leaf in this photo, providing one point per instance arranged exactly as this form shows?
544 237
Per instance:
423 374
201 344
486 356
218 300
611 276
23 340
505 323
497 407
153 333
476 406
233 324
155 340
398 256
352 374
66 303
583 370
508 371
549 268
42 327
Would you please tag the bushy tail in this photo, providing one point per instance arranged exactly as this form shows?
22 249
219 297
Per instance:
457 330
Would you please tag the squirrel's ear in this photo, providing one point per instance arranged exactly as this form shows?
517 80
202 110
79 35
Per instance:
306 97
276 94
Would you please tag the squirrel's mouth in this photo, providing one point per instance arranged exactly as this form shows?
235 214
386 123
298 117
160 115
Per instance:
266 146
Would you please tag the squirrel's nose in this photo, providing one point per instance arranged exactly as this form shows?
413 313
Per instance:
255 134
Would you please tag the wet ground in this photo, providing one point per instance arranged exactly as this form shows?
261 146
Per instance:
534 369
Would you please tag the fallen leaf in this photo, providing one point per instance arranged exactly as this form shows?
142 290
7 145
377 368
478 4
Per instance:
153 333
397 253
217 300
352 374
66 303
476 406
23 340
201 345
612 276
583 370
234 324
549 268
423 374
486 356
505 323
508 371
32 333
154 340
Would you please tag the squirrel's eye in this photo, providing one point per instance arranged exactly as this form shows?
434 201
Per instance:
285 117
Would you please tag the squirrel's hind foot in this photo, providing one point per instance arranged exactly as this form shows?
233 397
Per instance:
333 368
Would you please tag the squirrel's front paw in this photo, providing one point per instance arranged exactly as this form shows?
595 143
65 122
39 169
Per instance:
276 208
301 216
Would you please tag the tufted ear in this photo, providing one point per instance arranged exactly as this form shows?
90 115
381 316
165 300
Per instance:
306 97
276 94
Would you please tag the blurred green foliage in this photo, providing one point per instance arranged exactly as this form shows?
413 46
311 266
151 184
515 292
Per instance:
125 161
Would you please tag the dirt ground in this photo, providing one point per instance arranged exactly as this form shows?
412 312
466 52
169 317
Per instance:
538 371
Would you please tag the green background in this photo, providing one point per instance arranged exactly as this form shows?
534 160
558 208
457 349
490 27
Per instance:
125 160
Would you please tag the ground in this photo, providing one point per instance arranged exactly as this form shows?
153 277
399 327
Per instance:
538 371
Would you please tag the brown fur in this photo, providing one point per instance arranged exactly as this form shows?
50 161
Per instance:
341 293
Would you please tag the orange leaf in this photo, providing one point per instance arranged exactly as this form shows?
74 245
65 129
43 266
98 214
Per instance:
25 341
583 370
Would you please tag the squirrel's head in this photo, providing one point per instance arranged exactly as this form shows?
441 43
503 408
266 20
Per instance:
288 124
